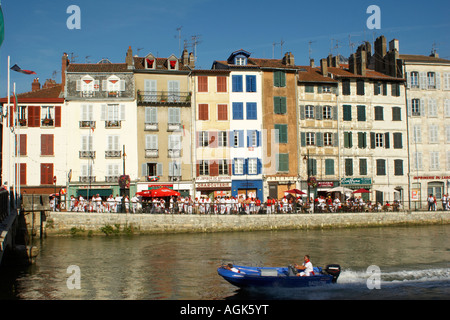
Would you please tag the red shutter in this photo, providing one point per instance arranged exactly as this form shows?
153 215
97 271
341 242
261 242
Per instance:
198 169
221 84
213 168
46 173
203 111
222 112
47 145
23 173
34 116
213 137
57 116
23 145
202 84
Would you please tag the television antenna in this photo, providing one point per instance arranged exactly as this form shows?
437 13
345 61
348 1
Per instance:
309 48
179 38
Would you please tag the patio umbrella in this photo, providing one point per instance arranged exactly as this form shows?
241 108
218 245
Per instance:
340 189
161 192
361 191
295 191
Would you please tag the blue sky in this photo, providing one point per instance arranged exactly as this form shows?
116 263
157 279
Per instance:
36 34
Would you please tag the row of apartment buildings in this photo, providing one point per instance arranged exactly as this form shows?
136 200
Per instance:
247 126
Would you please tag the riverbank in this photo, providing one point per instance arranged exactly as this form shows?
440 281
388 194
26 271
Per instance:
75 223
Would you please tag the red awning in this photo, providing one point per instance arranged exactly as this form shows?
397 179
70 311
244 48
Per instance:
158 193
361 191
296 191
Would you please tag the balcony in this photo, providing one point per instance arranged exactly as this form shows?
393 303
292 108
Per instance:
113 124
174 153
113 154
87 124
87 179
163 98
47 122
151 153
113 179
87 154
151 126
174 127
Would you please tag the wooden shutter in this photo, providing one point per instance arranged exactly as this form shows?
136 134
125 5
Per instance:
203 111
202 84
58 116
386 140
213 168
221 84
47 145
222 112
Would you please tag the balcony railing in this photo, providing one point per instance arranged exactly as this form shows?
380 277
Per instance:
174 153
87 124
47 122
174 127
151 126
87 154
163 97
113 124
87 179
113 153
151 153
111 178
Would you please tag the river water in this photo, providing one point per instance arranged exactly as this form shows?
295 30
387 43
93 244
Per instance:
414 263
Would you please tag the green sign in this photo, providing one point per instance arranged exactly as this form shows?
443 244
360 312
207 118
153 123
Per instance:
347 181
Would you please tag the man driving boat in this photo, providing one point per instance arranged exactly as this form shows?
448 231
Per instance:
306 268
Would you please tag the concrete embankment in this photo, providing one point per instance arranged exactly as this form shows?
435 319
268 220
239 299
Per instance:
66 223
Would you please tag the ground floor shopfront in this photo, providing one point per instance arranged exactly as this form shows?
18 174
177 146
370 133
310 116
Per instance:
183 187
247 188
423 186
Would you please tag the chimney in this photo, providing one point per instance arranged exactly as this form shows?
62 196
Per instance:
352 63
185 57
335 62
361 60
380 53
35 85
65 63
434 54
311 63
191 60
129 58
394 45
288 59
324 67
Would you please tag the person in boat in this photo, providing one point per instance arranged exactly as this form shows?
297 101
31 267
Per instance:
306 268
230 267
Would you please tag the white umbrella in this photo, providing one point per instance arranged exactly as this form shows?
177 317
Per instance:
340 189
386 189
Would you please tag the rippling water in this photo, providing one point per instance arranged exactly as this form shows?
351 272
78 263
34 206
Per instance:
414 264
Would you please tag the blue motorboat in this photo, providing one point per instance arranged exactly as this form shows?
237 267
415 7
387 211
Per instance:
283 277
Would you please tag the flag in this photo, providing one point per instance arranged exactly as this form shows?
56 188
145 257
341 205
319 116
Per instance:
17 68
2 26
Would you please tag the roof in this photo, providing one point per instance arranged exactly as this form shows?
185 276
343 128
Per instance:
312 74
161 64
47 94
370 74
98 67
421 58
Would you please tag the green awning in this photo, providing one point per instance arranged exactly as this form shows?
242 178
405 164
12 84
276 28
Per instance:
92 192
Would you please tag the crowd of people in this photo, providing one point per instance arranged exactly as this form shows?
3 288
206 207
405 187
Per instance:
221 205
432 202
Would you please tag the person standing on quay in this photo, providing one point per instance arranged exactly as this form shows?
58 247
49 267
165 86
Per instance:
430 201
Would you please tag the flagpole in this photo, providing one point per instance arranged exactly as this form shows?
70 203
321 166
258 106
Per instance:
13 125
8 126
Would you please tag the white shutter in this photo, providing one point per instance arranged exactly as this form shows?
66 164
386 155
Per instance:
447 107
408 80
151 141
78 85
122 85
447 81
83 112
422 107
423 80
122 112
159 169
171 169
438 80
432 109
105 85
103 112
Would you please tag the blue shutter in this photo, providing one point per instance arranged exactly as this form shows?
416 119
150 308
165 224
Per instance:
250 83
245 169
241 138
237 83
258 138
238 111
233 166
259 166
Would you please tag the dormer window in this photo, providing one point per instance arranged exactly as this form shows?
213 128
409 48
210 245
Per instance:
172 63
87 85
150 62
113 85
240 61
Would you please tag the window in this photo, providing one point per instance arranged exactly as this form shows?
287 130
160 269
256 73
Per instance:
238 111
310 141
309 112
112 170
203 111
376 88
236 83
283 162
113 85
174 169
362 167
150 90
414 79
379 113
433 133
417 161
47 145
281 134
348 140
279 105
348 167
432 108
415 107
329 167
362 140
173 90
174 116
223 138
203 138
361 113
86 112
395 89
202 84
250 83
46 173
252 166
312 166
251 111
240 61
151 142
47 116
347 112
398 167
113 113
279 78
379 139
309 89
112 143
238 166
360 87
223 167
204 167
396 114
174 142
398 140
346 87
222 112
431 80
327 112
327 139
221 84
434 160
417 133
252 138
381 167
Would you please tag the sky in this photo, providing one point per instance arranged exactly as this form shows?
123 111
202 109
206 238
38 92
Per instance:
36 32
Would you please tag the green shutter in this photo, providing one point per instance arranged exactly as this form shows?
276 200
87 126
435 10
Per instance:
329 167
347 112
283 105
283 162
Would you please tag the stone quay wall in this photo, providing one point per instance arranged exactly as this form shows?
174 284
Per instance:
64 223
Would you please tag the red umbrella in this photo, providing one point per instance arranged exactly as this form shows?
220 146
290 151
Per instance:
161 192
296 191
361 191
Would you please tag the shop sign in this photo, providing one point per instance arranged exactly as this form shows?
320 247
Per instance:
432 177
347 181
325 184
158 186
214 179
214 185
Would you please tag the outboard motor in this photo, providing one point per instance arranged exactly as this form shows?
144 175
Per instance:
333 270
